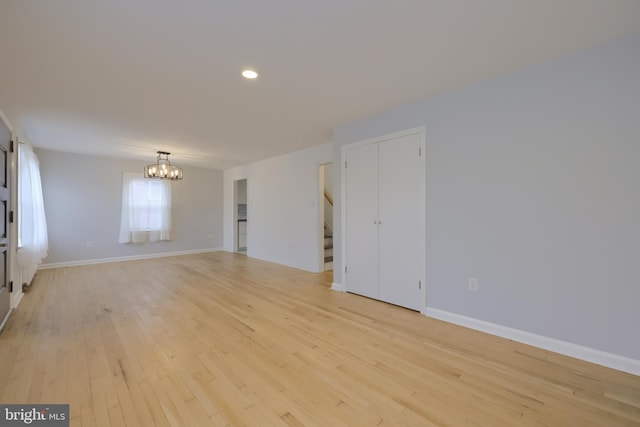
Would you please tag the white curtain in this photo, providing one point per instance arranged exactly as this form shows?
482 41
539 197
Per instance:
146 209
32 234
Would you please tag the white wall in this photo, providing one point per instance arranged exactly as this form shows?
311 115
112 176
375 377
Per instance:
328 179
532 187
282 209
82 197
241 192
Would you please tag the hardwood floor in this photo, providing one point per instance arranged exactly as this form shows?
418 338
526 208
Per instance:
221 339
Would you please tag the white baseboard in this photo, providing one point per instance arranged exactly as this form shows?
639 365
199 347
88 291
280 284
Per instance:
338 287
599 357
16 300
123 258
5 320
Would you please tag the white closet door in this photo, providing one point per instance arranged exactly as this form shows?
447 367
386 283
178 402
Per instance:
362 218
401 215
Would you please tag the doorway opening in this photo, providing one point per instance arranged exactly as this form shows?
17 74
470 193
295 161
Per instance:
325 174
240 213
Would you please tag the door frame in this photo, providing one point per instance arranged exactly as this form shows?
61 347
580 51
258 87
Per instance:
14 296
421 131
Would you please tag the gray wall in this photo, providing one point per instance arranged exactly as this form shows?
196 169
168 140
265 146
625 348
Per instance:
82 196
533 187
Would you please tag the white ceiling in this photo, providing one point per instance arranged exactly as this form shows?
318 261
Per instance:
128 77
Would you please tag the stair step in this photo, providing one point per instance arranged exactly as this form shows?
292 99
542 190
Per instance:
328 250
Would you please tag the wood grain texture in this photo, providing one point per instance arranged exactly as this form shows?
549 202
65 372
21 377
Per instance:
224 340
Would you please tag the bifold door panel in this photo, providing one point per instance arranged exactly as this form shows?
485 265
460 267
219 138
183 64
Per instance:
362 220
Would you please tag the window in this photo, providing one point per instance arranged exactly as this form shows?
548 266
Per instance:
32 224
146 209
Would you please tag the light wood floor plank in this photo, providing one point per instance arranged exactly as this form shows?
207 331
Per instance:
224 340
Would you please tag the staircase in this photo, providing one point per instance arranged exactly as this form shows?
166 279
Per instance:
328 249
328 223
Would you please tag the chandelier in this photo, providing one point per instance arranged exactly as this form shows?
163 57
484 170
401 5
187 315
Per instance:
162 168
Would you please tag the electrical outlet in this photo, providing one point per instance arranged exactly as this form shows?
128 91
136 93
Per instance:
473 284
89 244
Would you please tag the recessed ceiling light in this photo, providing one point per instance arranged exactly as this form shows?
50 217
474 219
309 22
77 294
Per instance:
249 74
